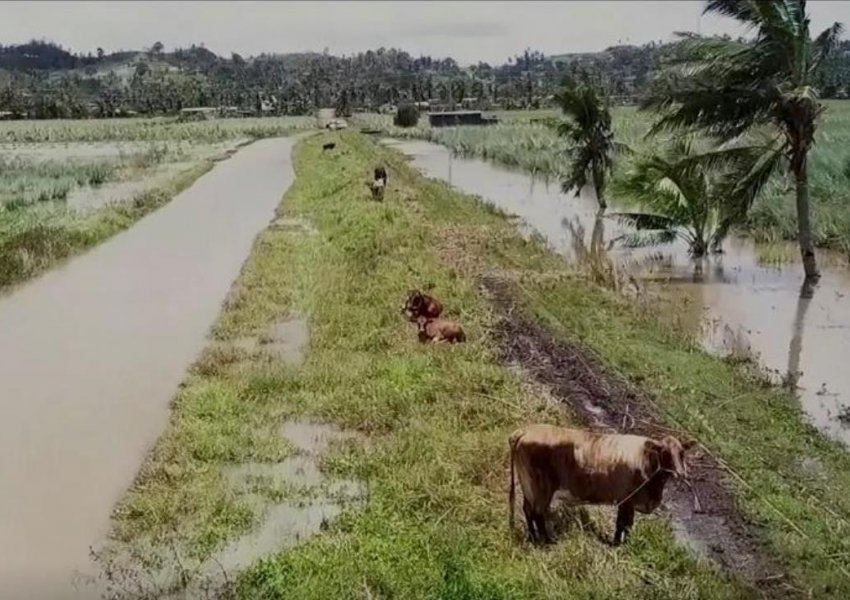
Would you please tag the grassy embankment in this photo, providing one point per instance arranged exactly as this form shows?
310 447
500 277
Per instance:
535 147
44 162
435 420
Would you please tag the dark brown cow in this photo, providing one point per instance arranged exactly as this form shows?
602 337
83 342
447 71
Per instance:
419 304
629 471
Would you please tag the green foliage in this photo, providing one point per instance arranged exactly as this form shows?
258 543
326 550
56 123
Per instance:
693 192
727 89
588 132
407 115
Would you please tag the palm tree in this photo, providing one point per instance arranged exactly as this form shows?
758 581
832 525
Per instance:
688 191
729 88
591 140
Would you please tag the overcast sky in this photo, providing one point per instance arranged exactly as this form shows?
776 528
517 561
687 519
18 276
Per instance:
467 31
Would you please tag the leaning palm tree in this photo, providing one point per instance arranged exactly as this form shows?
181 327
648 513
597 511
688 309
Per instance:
587 128
728 88
686 190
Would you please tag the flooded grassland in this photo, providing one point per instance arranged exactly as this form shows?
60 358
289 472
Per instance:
67 185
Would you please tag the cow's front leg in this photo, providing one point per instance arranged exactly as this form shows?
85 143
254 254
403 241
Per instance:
625 519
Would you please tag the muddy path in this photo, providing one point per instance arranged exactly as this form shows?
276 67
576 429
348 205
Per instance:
715 529
92 352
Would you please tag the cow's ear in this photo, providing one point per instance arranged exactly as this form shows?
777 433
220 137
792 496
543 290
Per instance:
653 449
653 446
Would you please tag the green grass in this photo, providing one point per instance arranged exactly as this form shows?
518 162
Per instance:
434 420
525 140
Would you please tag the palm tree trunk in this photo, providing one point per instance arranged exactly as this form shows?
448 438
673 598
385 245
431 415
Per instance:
599 188
804 225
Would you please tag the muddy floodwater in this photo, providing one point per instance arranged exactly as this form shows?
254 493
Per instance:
92 352
742 306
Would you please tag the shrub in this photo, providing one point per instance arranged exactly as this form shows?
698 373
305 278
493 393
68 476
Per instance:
407 116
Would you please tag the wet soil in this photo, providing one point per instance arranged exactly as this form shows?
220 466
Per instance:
605 402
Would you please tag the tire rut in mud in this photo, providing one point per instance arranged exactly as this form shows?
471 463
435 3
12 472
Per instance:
605 402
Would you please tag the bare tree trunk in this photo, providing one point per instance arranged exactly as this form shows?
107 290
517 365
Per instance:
804 226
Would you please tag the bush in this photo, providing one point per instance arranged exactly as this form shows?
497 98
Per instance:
407 116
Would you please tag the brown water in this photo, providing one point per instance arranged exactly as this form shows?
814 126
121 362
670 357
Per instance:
740 306
92 352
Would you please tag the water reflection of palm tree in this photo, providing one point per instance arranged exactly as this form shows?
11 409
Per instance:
807 292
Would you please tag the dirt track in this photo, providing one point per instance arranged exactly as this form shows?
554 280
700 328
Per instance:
605 402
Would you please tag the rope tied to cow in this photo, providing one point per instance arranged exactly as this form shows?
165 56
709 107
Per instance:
697 503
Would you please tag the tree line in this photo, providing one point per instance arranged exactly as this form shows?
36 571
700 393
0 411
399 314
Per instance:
42 80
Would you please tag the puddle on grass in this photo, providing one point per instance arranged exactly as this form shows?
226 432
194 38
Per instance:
732 303
313 500
286 341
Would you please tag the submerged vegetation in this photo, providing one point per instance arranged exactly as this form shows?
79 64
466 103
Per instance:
131 166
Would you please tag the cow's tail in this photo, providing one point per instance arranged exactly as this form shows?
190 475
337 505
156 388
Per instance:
514 440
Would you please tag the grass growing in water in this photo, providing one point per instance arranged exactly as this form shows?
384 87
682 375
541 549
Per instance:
53 158
31 240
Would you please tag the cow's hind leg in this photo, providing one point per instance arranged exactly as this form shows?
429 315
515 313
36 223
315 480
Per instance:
529 520
540 512
625 519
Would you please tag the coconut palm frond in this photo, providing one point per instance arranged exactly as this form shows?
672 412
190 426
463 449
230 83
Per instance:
825 43
644 221
587 128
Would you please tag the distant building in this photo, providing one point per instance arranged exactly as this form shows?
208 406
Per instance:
460 117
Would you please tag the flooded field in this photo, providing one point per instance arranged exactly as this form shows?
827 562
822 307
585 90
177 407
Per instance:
93 351
738 305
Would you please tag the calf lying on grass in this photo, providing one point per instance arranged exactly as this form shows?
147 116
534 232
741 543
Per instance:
439 330
421 305
592 468
328 146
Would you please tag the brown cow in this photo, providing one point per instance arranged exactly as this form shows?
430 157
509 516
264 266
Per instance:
592 468
439 330
421 305
377 189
